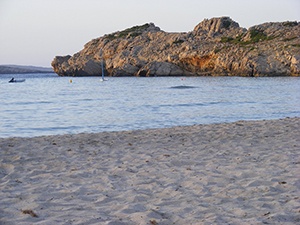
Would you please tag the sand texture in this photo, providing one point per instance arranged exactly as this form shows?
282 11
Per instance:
235 173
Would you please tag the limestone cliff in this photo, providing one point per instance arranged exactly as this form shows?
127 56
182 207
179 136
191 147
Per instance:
216 47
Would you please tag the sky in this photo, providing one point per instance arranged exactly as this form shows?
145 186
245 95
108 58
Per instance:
33 32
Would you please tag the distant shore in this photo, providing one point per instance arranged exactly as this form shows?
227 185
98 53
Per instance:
17 69
246 172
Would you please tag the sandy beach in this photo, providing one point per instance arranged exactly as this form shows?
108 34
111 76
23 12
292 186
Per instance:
231 173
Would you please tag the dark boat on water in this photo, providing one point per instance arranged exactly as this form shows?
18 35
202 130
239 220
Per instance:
13 80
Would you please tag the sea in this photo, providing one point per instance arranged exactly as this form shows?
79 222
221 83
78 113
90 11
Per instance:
46 104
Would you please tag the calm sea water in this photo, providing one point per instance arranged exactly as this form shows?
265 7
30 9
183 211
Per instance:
46 104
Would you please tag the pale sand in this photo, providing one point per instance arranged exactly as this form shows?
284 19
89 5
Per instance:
237 173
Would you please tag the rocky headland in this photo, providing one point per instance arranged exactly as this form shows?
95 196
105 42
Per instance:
216 47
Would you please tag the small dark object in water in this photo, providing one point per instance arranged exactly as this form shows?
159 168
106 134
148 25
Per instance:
183 87
13 80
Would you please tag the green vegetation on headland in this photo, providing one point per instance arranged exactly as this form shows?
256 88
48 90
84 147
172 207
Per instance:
130 32
256 35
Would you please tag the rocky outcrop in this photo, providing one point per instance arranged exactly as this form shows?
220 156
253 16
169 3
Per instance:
218 26
218 46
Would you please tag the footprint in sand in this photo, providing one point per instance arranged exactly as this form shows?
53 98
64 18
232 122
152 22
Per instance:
6 169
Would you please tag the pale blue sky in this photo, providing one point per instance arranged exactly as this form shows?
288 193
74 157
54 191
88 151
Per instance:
32 32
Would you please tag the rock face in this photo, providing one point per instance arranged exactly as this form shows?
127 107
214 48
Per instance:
216 47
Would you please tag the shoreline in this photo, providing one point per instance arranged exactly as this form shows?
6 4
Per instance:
245 172
147 129
203 74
